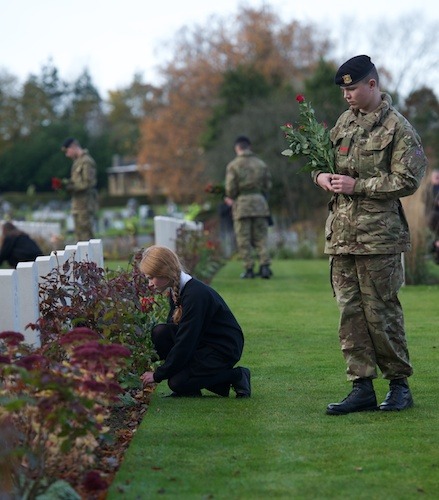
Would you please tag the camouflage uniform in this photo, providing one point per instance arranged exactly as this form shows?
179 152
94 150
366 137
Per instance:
366 233
248 182
82 186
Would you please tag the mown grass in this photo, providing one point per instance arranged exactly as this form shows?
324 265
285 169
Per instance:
280 443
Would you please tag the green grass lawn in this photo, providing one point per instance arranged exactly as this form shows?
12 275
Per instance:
280 443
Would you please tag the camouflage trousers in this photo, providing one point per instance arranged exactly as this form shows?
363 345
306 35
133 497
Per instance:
252 234
371 328
84 222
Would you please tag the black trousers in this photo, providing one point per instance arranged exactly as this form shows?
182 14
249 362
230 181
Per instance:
208 369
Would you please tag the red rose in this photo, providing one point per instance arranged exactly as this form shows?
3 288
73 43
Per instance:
146 304
300 98
56 183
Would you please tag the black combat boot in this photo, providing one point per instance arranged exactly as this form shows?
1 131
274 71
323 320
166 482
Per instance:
361 398
265 271
399 396
248 274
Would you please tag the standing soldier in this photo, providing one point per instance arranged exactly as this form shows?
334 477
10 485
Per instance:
378 160
248 182
82 186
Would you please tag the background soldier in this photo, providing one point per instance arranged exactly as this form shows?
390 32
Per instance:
82 187
248 182
378 159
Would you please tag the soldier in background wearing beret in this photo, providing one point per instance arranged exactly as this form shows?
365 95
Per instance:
82 187
379 159
248 182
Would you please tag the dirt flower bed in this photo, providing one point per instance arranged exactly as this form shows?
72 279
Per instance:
123 423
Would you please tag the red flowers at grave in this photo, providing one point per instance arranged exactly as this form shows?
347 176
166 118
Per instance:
11 338
146 304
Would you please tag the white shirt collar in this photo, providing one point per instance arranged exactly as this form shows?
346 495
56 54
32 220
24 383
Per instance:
184 278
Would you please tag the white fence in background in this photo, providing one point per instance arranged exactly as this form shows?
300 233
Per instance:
19 297
165 229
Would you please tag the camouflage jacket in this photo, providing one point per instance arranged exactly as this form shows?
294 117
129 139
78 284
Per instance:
82 184
248 182
383 152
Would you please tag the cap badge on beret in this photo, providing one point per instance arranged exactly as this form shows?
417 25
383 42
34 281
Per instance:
347 79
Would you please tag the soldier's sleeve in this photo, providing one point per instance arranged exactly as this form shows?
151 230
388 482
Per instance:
231 182
314 175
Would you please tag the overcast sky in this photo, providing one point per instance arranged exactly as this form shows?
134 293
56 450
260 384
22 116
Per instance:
115 39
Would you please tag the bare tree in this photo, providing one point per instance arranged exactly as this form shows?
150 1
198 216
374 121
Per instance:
405 50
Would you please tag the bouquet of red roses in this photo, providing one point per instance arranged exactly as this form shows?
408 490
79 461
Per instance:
310 140
58 183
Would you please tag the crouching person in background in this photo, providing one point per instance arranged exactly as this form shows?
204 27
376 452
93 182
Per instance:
17 246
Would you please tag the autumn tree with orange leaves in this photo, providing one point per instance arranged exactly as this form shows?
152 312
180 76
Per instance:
284 54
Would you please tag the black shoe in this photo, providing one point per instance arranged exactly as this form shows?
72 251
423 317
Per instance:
399 397
196 394
265 272
361 398
248 274
243 387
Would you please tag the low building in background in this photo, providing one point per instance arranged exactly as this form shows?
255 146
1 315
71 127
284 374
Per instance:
127 180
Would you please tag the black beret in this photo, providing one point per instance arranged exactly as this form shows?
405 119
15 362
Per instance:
353 70
68 142
242 139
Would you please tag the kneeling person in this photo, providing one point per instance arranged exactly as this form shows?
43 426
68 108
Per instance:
202 340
